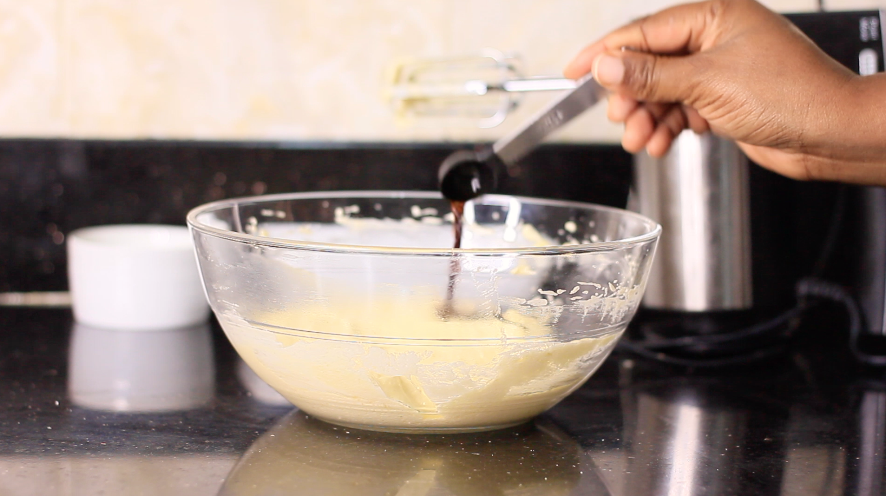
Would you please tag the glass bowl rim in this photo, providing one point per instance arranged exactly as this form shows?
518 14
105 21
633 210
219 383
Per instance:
251 239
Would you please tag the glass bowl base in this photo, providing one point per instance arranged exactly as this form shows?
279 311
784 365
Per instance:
425 430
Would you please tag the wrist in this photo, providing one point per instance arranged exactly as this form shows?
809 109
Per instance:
846 138
857 123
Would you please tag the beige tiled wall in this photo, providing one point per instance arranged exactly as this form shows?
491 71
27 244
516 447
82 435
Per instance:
294 70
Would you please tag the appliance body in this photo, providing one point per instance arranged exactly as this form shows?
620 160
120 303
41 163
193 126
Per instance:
856 39
699 193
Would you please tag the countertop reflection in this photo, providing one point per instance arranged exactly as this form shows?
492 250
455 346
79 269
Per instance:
176 412
140 371
301 455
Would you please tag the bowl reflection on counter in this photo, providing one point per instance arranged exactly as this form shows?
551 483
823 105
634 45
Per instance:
145 371
301 455
356 308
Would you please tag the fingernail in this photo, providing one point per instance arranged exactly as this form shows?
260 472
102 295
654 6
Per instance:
609 70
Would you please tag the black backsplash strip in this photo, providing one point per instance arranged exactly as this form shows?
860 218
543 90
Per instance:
51 187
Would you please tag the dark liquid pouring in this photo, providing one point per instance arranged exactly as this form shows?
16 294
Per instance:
458 210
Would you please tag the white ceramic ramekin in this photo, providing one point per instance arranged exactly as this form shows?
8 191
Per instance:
135 277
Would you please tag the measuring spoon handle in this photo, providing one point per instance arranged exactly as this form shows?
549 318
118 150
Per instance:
519 143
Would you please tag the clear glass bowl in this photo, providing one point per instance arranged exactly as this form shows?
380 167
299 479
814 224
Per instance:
356 308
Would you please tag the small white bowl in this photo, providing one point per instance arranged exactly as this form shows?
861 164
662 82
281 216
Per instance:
135 277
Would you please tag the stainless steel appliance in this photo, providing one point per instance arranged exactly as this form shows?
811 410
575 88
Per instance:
736 241
699 193
871 265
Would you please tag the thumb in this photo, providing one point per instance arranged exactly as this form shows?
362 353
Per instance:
645 77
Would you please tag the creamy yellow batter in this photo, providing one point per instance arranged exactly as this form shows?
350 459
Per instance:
463 373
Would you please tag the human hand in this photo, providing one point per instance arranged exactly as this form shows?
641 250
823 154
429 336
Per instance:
740 70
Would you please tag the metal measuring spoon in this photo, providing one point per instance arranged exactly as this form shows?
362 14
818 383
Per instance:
467 174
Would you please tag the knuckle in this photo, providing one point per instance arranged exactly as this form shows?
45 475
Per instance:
642 78
676 121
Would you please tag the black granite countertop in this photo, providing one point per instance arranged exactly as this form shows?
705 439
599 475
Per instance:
807 422
86 411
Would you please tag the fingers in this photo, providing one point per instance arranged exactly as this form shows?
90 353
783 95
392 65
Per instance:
639 127
669 127
681 29
650 78
584 61
645 66
652 126
620 107
696 122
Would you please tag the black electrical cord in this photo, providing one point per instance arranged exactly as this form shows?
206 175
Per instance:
680 351
756 330
771 337
837 294
638 348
